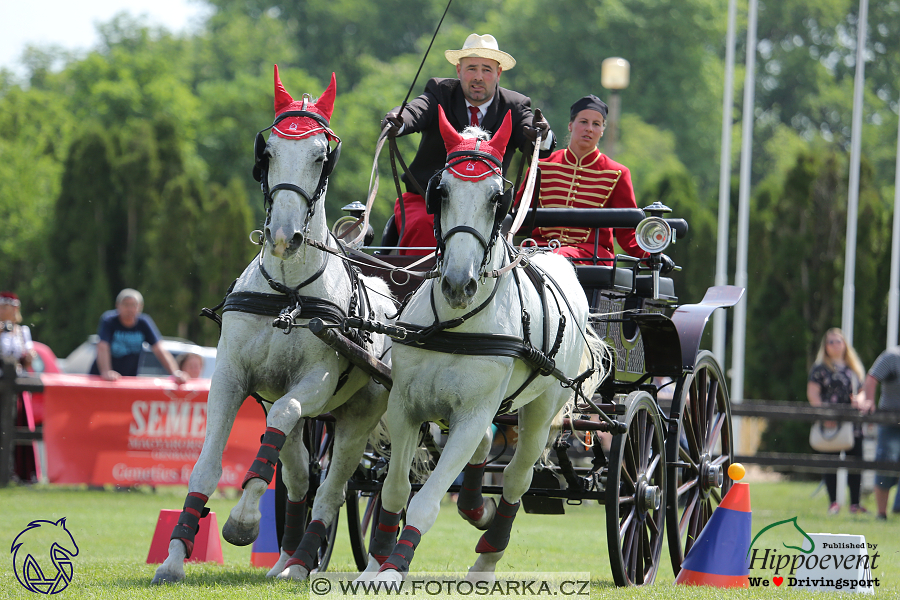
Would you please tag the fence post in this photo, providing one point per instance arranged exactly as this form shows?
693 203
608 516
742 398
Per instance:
7 419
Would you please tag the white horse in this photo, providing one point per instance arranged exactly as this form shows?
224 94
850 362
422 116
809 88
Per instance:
297 374
447 370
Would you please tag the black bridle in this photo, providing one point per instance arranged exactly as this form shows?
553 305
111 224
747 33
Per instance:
501 200
261 166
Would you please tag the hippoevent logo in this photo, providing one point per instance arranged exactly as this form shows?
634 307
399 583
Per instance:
42 556
806 561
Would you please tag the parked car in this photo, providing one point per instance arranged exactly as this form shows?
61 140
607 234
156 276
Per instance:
81 359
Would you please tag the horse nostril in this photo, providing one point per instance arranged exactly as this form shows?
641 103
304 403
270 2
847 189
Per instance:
471 288
445 288
297 240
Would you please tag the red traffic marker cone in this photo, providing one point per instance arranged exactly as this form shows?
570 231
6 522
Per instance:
207 545
719 556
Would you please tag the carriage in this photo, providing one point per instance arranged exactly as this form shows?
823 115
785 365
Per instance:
661 401
671 432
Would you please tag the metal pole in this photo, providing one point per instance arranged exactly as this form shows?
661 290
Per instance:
894 291
720 321
853 195
740 273
853 202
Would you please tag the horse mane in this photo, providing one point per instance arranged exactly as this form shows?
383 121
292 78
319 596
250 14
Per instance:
477 133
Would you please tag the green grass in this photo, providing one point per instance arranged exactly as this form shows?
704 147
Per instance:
113 530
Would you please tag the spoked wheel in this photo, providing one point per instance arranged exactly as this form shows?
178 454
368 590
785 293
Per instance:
362 518
699 450
319 438
635 490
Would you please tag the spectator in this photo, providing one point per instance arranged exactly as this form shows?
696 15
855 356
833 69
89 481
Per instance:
123 332
15 338
15 343
190 364
474 97
836 378
886 371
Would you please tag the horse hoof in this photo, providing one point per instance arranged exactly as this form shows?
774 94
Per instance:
162 578
276 570
480 577
392 578
490 509
293 573
240 535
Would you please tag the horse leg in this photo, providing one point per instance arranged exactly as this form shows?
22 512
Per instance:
470 504
354 421
295 474
534 426
404 434
242 526
425 506
222 407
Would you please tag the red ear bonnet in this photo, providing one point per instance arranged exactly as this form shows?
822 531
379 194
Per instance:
296 128
474 170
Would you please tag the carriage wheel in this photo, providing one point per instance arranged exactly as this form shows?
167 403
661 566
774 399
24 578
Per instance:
635 490
699 449
362 516
319 438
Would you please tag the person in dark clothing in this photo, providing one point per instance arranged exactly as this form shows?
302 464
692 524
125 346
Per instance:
473 98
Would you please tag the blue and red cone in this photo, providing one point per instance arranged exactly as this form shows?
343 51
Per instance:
719 556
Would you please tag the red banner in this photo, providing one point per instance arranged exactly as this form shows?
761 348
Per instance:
138 430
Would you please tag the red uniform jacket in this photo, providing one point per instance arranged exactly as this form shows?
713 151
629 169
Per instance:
596 181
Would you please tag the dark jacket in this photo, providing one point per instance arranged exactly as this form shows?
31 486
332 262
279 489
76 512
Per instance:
421 116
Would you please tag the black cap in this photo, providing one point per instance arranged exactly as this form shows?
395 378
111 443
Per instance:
590 102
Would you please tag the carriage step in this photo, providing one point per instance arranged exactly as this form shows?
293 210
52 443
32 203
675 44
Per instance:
538 505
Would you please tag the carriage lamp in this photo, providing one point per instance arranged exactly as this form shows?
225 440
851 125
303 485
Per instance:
653 235
349 226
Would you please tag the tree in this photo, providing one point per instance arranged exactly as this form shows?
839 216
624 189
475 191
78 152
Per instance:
79 289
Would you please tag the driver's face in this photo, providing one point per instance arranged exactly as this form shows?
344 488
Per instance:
479 77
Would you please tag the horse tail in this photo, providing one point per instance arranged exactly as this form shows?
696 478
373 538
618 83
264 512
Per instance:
423 462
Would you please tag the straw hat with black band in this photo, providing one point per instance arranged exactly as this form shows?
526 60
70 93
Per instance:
481 46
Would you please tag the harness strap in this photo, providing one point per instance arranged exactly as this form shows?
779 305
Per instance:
272 305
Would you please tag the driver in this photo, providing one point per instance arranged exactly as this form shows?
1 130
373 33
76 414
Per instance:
473 98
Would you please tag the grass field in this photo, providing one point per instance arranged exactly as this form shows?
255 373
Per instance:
113 530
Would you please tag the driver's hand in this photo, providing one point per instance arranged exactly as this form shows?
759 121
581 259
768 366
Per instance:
538 124
393 120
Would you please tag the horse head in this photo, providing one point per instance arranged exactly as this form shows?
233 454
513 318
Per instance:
468 201
293 167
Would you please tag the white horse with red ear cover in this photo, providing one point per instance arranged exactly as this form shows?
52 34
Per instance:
296 374
466 390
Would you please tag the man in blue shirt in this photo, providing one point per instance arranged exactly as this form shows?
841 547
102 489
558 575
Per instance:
123 332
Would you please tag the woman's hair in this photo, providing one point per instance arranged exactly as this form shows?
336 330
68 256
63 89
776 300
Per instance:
850 356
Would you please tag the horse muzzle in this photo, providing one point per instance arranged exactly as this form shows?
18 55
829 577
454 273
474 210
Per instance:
460 290
282 246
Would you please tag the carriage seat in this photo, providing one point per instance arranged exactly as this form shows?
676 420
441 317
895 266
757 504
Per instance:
644 287
605 277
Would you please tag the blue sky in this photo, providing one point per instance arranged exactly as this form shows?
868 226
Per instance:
72 24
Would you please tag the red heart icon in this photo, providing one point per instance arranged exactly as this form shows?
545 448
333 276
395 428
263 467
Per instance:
778 580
